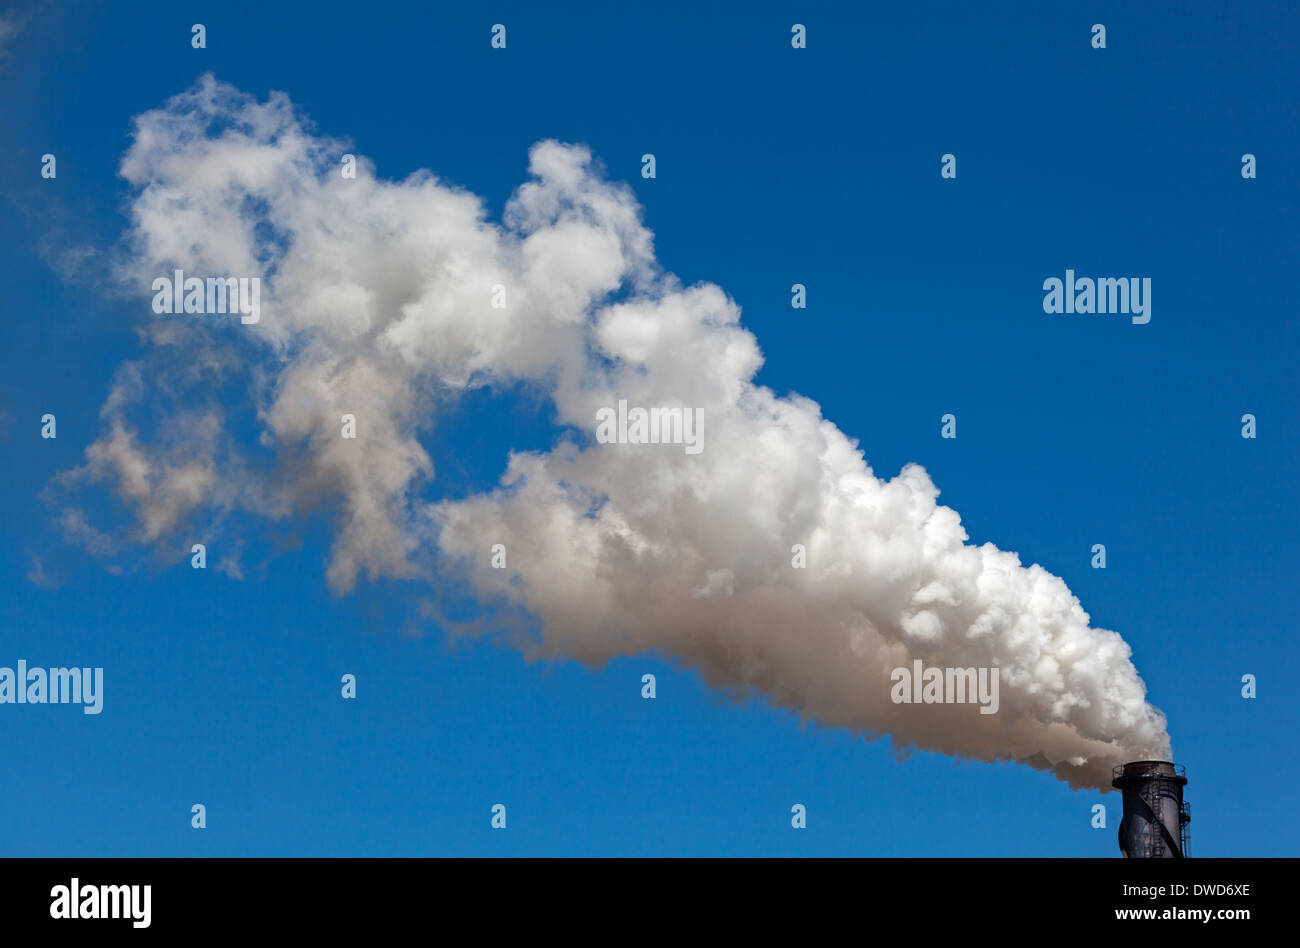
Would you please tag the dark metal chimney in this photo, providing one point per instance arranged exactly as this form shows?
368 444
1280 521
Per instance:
1155 816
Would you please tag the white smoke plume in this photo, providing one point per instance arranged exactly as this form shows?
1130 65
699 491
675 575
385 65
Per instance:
376 300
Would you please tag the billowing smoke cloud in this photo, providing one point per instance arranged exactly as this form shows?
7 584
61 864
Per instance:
377 301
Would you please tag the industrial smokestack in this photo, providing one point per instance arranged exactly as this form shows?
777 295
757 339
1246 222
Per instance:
1155 818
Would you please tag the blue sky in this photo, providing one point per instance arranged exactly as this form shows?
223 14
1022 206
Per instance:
775 166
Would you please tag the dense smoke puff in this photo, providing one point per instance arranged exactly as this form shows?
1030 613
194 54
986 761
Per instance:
377 301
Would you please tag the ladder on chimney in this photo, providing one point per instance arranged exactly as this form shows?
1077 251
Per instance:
1158 841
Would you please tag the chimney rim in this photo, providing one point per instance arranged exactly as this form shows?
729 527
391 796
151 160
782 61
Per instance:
1148 770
